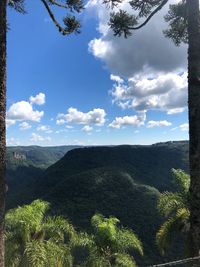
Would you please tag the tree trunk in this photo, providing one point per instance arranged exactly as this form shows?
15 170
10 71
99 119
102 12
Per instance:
3 28
194 122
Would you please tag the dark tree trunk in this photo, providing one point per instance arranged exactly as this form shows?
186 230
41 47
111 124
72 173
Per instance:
3 4
194 122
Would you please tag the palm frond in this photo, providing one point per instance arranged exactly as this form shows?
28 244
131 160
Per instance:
175 224
169 203
58 229
36 253
182 179
124 260
127 239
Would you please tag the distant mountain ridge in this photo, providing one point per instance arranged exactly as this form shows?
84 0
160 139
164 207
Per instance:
36 155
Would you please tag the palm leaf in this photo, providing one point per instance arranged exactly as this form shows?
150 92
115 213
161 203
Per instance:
182 179
175 224
169 203
124 260
127 239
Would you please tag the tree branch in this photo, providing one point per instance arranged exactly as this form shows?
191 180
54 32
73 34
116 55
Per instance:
150 16
60 28
57 4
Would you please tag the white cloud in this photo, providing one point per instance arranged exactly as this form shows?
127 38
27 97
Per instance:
38 138
136 121
9 122
38 99
23 110
44 128
87 129
183 127
60 121
100 48
95 116
24 126
150 63
12 142
116 78
146 48
164 123
165 92
69 127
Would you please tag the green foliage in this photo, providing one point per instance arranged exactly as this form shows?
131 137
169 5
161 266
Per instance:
112 244
120 180
177 19
18 5
122 22
175 208
70 23
108 236
34 240
124 260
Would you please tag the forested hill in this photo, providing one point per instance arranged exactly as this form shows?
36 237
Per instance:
150 165
24 165
123 181
35 155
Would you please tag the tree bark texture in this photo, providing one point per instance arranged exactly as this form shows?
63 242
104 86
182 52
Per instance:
3 28
194 122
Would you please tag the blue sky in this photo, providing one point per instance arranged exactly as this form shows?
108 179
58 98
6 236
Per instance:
93 88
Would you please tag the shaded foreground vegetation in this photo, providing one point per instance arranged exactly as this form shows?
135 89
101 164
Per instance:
34 239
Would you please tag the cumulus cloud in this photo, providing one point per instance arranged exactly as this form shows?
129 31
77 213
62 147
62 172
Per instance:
149 72
38 99
182 127
136 121
12 142
165 92
164 123
95 116
9 122
116 78
23 110
44 128
87 129
147 48
38 138
24 126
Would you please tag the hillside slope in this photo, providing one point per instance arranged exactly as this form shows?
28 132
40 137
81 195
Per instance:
24 165
123 181
150 165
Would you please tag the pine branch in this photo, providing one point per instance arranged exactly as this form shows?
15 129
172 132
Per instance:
53 2
150 16
60 28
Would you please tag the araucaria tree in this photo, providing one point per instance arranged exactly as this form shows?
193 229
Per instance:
184 26
69 25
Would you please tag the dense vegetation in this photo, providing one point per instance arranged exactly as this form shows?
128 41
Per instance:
174 206
22 172
37 156
123 181
34 239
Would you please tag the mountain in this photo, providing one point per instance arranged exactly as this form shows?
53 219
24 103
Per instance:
24 165
123 181
150 165
37 156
